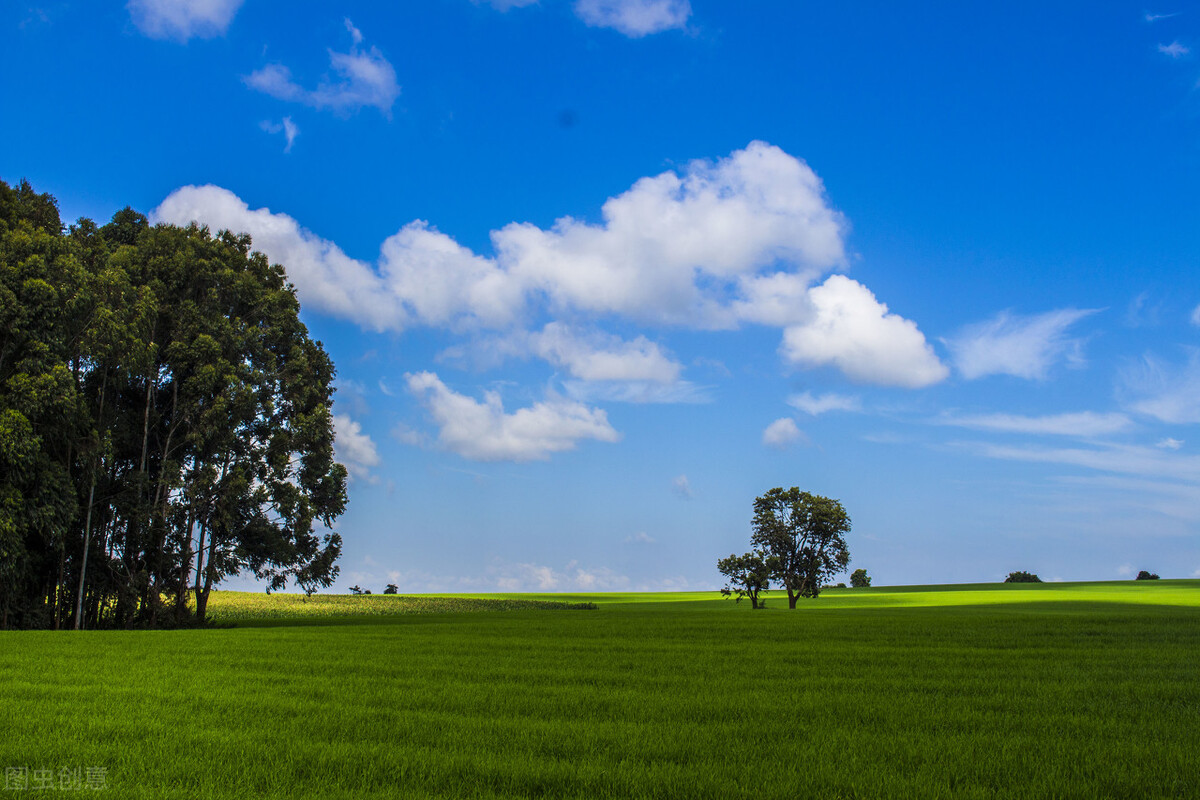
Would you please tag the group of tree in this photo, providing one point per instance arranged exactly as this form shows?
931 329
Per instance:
798 540
1022 577
391 588
1145 575
165 421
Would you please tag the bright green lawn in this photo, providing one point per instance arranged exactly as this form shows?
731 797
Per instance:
1053 690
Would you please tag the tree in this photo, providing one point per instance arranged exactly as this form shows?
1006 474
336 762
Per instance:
1146 576
164 416
749 576
391 589
859 579
1022 577
802 537
355 589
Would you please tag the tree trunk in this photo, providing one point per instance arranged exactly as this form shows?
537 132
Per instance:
792 597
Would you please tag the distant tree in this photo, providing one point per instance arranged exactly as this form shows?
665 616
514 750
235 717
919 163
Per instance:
1022 577
391 589
802 537
366 591
749 576
1146 576
355 589
859 579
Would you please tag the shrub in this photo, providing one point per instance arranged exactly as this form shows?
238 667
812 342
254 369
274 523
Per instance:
1146 576
859 579
1022 577
391 589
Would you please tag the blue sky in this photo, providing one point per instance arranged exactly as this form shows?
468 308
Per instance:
596 273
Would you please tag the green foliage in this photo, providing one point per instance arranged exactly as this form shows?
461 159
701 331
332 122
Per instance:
802 536
859 579
748 576
1022 577
1146 576
164 421
391 588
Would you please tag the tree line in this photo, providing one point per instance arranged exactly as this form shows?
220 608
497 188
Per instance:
165 421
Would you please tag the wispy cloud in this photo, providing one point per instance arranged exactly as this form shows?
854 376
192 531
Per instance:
1170 444
682 486
364 78
782 434
635 18
1168 392
1151 17
1083 424
286 127
819 404
641 537
1195 317
1174 50
1024 346
183 19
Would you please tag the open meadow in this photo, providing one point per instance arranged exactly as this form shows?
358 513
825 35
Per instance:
1050 690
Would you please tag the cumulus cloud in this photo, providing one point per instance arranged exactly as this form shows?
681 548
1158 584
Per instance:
288 128
782 433
1167 392
1024 346
483 431
854 332
819 404
363 78
1082 423
353 448
634 18
602 357
183 19
716 245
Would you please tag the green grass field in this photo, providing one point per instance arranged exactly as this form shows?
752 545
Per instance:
1052 690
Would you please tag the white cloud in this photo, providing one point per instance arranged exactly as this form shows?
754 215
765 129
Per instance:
672 248
782 433
854 332
601 357
1195 317
1170 444
483 431
682 486
505 5
1174 50
1125 570
816 405
364 78
1024 346
1166 392
354 448
713 246
532 577
1081 423
1119 459
634 18
1150 17
183 19
288 128
641 537
636 392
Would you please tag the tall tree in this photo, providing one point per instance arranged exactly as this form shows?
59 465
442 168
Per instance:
804 537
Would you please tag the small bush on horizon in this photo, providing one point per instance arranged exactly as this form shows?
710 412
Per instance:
391 589
1022 577
1146 576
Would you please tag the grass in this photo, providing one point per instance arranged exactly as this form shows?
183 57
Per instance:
1054 690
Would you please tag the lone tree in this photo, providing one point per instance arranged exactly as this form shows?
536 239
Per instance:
1022 577
391 588
803 539
1146 576
749 576
859 579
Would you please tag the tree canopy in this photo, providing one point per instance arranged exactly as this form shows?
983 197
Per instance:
803 538
165 421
